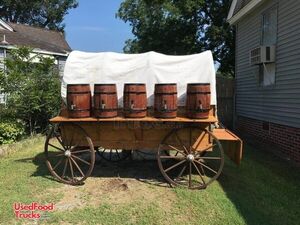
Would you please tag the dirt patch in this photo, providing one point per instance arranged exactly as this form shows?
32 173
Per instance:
113 191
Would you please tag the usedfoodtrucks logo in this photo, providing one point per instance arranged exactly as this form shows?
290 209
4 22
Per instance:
32 211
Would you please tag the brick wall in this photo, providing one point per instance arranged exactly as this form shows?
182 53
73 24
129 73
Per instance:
282 140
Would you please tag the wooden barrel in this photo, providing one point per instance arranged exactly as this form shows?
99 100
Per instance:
165 100
135 100
79 100
198 100
105 100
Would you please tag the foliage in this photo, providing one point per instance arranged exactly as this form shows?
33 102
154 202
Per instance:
32 83
49 14
180 27
10 131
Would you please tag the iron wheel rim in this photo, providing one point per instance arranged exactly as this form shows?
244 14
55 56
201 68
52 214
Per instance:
68 162
192 163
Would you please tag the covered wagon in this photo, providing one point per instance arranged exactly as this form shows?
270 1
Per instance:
189 150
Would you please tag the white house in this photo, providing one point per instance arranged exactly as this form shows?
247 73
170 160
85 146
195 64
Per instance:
43 41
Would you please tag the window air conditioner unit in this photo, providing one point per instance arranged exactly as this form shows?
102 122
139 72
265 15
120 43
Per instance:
262 54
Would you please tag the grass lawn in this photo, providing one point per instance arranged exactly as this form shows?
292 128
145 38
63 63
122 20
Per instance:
263 190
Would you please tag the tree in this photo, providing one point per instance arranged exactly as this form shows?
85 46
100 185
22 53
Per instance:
180 27
45 13
33 87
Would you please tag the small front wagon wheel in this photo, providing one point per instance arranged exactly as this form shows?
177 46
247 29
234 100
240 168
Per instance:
113 155
69 152
195 157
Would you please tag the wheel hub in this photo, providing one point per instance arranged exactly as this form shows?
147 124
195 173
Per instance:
190 157
68 153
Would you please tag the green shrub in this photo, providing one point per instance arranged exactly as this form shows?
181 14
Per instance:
10 132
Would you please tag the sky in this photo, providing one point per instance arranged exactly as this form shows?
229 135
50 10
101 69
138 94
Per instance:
93 27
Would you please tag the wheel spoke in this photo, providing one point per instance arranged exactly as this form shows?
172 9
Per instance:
181 143
65 168
190 174
171 157
201 138
70 144
60 154
57 137
56 147
176 149
190 141
207 167
182 162
67 137
213 158
175 165
75 163
82 160
118 154
80 151
181 172
71 168
203 182
57 164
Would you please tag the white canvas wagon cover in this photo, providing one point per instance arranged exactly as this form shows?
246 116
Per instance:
149 68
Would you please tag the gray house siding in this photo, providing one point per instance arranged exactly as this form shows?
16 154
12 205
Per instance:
279 103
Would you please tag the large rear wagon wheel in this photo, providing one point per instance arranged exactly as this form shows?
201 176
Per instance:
70 155
195 158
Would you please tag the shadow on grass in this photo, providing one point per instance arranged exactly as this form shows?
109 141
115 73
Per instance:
146 171
264 189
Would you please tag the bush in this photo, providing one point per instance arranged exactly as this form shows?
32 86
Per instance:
33 87
10 132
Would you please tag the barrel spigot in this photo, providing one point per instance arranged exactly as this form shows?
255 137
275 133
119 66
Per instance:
165 106
102 105
200 107
72 106
132 104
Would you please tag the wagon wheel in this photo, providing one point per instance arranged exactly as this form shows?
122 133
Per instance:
186 166
69 152
113 155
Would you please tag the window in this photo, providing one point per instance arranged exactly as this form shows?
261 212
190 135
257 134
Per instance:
268 37
61 65
269 27
2 55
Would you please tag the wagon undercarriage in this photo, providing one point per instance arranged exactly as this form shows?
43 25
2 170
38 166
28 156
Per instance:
189 152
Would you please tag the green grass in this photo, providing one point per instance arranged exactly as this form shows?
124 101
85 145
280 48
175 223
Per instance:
263 190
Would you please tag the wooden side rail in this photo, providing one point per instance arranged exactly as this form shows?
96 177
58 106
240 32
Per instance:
232 144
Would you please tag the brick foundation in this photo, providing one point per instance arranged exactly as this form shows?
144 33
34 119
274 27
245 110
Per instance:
282 140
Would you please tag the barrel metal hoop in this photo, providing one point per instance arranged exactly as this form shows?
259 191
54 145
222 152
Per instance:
107 93
78 92
135 110
106 110
198 110
79 110
104 85
134 92
168 93
166 111
196 84
198 92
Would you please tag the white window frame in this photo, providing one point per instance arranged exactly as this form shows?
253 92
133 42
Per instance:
267 72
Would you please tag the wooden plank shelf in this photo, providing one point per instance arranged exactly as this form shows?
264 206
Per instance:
58 119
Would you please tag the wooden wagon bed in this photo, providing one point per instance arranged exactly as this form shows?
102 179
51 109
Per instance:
183 140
